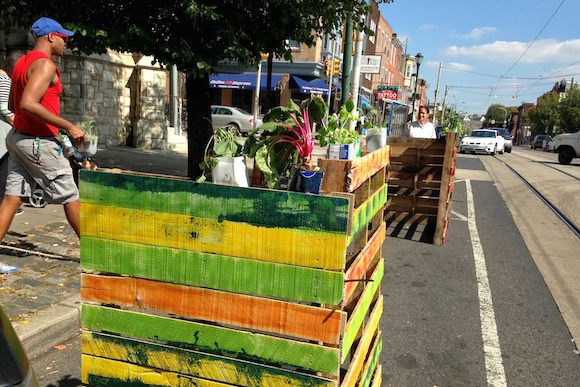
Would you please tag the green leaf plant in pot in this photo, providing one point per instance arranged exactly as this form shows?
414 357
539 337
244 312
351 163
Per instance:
224 159
340 140
375 136
285 140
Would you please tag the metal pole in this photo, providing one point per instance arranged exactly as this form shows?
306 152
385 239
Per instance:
330 82
436 96
257 94
347 59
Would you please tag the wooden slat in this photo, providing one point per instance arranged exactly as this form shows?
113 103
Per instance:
378 377
356 319
363 214
362 350
446 185
304 247
260 314
253 206
98 371
214 339
213 271
358 270
193 363
371 364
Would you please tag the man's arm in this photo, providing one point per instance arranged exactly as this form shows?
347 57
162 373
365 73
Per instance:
41 74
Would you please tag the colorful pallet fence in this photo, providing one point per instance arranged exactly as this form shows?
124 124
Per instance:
210 285
421 180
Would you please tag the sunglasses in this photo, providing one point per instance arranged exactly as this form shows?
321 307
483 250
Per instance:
62 36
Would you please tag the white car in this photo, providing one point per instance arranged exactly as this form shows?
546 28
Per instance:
233 116
483 141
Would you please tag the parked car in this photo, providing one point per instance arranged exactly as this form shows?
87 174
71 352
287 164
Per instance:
538 141
483 141
15 369
552 144
229 115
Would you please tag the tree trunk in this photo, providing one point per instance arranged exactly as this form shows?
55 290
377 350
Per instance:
199 128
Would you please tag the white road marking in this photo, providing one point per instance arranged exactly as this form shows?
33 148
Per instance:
459 216
491 348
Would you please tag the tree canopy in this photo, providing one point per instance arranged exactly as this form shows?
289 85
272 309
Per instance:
194 35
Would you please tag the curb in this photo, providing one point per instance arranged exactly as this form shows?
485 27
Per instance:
52 325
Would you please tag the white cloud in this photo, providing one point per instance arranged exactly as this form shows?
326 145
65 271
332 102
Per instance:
429 27
542 51
459 66
478 32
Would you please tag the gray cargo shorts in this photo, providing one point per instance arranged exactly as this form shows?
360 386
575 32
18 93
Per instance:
38 162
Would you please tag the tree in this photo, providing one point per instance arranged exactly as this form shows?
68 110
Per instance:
569 110
496 113
194 35
545 115
452 122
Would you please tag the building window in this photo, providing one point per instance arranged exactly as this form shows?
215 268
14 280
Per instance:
373 28
293 44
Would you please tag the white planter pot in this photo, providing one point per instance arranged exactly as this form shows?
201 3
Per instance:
341 151
90 148
230 171
376 138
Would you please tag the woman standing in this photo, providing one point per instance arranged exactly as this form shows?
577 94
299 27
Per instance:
422 128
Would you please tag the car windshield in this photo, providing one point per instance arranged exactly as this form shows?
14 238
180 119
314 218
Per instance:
481 133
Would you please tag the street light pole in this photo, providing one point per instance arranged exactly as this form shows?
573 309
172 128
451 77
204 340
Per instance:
418 60
504 116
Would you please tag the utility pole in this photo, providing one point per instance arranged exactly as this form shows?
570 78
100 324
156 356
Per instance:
356 68
437 96
347 59
444 98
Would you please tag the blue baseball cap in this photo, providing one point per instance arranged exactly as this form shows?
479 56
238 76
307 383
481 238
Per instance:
46 25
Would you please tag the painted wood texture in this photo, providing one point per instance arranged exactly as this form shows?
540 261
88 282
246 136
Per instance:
357 318
213 271
359 269
371 364
260 314
272 350
348 175
367 210
97 371
193 363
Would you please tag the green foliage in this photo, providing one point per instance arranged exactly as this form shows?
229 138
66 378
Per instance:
337 131
569 111
223 143
285 138
545 114
496 113
452 122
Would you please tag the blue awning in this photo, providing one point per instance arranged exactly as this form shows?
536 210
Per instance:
241 81
314 86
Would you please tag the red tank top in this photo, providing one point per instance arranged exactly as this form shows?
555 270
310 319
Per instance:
23 121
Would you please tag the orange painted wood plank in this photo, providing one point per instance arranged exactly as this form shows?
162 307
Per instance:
359 268
261 314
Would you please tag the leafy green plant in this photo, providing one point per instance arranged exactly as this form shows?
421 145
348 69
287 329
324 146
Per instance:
337 131
224 142
89 127
286 138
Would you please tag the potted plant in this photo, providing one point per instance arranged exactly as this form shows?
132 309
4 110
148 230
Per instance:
375 136
341 141
223 158
92 139
285 140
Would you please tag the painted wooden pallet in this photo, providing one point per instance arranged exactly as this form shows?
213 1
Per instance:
209 285
420 180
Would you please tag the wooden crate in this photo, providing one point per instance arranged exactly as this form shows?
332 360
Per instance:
421 176
212 285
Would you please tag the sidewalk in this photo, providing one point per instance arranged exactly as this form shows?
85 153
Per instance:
42 299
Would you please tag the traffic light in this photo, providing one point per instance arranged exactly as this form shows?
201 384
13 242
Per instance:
327 68
336 68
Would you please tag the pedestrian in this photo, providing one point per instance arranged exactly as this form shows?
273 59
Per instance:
36 156
422 128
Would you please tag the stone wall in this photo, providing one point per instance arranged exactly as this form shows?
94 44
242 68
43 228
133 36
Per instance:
125 95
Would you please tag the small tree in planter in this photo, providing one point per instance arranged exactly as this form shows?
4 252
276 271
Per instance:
224 159
285 139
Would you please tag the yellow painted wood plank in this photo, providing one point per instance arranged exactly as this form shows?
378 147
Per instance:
292 246
97 371
360 356
378 379
203 365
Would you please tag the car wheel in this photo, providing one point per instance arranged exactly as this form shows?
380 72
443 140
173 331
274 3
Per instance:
492 153
461 151
234 126
565 156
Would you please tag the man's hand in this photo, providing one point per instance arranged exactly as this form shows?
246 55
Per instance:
77 135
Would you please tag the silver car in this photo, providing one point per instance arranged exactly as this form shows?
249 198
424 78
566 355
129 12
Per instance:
233 116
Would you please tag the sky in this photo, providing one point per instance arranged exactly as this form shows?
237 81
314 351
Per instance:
491 52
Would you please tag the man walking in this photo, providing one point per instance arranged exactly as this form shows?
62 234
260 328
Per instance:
36 156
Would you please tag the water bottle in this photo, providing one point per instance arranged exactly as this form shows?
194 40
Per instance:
67 147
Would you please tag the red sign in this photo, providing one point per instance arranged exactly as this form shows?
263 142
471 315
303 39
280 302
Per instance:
388 94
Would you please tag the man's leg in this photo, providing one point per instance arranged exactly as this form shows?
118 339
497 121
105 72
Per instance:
72 211
8 207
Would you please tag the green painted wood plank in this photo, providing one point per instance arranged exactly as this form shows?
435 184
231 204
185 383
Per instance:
356 320
193 363
263 207
365 212
213 271
368 377
259 348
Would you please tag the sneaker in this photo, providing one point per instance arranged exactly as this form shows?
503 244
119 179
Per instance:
5 269
19 212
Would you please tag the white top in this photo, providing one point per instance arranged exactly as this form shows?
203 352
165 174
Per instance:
416 130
